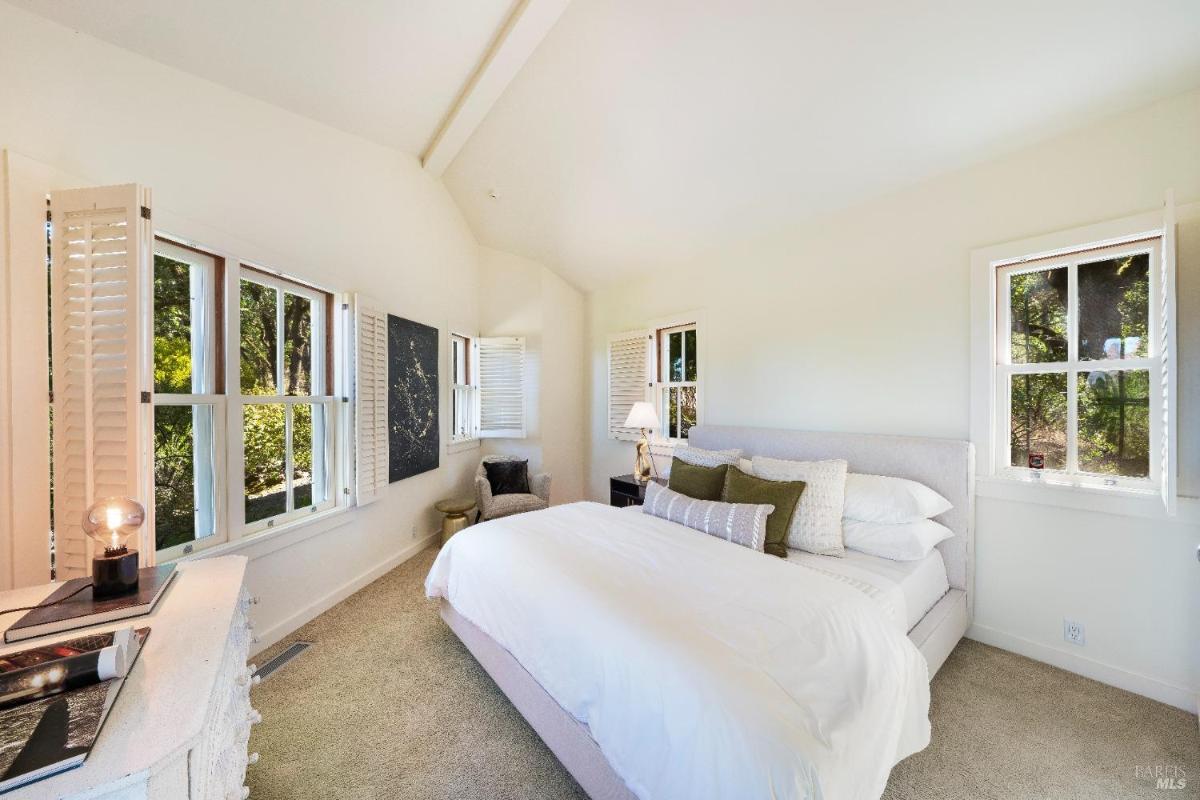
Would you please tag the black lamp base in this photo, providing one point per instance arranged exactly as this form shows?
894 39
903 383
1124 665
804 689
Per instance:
115 575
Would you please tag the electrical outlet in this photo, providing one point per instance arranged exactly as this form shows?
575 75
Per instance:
414 529
1073 632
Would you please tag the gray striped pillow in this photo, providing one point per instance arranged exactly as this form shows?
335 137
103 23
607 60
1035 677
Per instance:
740 523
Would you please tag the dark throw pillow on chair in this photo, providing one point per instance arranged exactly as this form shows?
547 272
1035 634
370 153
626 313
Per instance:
508 477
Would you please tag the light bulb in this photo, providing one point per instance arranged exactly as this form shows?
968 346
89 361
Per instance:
112 520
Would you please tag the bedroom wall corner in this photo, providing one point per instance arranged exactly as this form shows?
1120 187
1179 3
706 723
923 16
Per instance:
521 297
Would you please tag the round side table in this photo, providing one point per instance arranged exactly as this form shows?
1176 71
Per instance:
456 516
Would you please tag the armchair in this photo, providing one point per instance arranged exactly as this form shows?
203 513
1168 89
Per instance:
492 506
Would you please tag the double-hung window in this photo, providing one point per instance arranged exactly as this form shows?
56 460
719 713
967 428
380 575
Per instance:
464 401
245 420
189 402
286 398
1079 384
678 381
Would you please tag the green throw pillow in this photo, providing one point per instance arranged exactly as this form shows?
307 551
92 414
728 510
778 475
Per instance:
701 483
784 495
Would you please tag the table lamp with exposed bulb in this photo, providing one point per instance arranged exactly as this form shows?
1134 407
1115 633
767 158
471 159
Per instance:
110 522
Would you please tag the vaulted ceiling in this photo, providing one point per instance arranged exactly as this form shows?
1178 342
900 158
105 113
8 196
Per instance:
639 133
387 70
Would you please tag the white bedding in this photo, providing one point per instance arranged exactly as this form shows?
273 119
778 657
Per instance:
702 669
906 590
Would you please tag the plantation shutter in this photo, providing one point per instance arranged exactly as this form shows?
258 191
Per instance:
1167 338
628 379
502 387
370 403
100 259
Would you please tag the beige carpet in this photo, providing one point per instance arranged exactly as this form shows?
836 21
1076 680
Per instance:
388 704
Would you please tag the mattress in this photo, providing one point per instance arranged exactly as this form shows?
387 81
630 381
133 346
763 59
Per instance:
906 590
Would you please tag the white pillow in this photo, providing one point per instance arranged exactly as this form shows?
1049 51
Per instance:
907 541
707 458
817 524
877 498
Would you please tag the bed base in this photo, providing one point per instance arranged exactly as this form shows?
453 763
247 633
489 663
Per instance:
570 740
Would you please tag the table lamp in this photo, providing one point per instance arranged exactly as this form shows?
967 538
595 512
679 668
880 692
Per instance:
110 522
643 416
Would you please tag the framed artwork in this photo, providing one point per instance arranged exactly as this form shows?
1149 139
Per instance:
414 435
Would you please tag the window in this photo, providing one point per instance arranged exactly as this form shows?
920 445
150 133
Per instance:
1074 383
463 400
678 380
244 437
662 365
188 397
286 399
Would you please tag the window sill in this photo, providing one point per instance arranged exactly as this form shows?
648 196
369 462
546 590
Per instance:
1123 501
464 445
261 543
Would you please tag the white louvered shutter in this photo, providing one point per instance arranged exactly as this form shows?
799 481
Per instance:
502 387
370 403
1167 339
628 380
101 254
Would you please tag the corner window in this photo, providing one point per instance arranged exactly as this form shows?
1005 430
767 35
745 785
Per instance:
464 403
1078 372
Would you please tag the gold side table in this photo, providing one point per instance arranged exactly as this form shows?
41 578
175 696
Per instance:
456 516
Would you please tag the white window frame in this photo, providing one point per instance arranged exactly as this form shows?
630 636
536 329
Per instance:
204 353
992 367
693 320
231 529
318 329
464 394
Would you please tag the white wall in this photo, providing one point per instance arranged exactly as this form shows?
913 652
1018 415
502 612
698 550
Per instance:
520 297
859 321
247 178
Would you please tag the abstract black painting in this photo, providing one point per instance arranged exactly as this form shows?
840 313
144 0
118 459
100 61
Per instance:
414 436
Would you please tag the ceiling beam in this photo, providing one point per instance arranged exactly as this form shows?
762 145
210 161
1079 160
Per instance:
522 32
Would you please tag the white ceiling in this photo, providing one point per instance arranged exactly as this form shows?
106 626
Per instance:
387 70
641 133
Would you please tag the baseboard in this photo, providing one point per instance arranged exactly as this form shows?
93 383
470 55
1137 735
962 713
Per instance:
273 634
1155 689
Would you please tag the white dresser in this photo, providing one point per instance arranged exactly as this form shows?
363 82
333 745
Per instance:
180 725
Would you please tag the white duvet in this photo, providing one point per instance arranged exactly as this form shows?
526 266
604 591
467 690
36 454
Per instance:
702 669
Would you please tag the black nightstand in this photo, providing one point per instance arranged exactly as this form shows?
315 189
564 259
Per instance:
624 490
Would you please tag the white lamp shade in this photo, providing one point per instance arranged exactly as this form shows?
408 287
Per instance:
642 415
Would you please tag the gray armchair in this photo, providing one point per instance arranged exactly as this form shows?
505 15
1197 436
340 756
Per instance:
491 507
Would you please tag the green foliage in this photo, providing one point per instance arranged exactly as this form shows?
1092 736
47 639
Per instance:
1113 405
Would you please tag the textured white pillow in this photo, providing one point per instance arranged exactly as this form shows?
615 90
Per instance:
707 458
907 541
817 523
878 498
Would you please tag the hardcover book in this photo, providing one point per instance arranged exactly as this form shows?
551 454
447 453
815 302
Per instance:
55 698
55 614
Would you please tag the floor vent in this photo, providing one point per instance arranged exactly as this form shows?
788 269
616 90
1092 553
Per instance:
278 661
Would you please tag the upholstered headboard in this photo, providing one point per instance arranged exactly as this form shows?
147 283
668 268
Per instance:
945 465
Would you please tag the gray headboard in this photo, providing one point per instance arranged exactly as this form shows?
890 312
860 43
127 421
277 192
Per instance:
945 465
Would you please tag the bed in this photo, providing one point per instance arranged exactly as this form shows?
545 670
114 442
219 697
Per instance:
657 663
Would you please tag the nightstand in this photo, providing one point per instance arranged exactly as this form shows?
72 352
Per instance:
624 490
